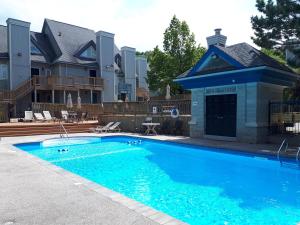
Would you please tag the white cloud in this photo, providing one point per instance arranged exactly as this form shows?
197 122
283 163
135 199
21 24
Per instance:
136 23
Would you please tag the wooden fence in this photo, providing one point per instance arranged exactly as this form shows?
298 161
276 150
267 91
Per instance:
159 107
4 112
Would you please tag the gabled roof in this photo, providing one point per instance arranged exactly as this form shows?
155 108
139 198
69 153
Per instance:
252 57
69 38
238 56
41 41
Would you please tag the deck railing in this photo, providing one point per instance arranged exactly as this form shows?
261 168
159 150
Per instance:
61 82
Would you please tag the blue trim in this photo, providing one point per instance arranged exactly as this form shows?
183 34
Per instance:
262 75
218 52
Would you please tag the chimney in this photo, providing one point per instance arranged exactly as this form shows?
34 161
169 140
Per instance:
128 68
217 39
105 58
18 39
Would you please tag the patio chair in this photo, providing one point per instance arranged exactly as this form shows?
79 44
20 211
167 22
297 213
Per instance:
39 117
28 116
115 127
100 129
48 116
64 115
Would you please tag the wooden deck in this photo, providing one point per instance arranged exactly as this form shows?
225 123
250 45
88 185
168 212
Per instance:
35 128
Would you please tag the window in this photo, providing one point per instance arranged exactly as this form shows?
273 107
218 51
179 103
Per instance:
3 71
35 71
90 53
93 73
35 50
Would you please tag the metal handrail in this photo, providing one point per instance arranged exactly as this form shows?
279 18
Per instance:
284 142
298 155
65 131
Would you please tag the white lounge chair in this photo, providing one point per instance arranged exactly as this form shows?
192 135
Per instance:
28 116
101 129
64 115
39 117
48 116
115 127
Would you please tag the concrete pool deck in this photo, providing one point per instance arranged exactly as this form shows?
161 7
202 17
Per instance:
33 191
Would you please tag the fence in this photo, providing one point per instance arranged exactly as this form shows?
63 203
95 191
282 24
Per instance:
4 112
158 107
284 117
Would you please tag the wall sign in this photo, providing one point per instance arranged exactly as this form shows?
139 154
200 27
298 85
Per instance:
154 109
220 90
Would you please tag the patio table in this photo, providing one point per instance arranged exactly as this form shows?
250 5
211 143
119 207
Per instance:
151 128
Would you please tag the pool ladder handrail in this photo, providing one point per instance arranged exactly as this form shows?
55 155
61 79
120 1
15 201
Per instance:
298 156
63 129
284 145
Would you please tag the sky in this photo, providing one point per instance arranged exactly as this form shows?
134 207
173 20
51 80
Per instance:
139 23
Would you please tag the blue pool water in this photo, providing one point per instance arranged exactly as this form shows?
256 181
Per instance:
197 185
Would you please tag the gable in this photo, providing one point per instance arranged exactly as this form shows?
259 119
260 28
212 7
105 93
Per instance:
34 50
89 53
214 63
214 60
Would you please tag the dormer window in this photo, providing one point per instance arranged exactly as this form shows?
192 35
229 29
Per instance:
89 53
34 50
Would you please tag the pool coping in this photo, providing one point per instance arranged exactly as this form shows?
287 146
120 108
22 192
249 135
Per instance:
141 209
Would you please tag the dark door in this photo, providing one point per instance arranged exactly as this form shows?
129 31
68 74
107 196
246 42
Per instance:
221 115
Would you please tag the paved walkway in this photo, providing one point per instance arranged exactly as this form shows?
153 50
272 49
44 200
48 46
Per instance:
33 191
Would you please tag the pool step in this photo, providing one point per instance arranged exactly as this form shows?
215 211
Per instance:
43 128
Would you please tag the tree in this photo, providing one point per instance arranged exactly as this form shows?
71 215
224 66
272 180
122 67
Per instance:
180 54
277 23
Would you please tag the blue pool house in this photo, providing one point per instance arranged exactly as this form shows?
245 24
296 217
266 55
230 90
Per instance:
231 89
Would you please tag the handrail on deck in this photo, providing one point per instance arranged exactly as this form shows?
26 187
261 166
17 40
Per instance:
68 81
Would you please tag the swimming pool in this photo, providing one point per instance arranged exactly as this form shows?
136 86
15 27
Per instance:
195 184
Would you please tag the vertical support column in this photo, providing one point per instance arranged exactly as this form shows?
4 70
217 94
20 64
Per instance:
64 96
53 96
91 96
35 95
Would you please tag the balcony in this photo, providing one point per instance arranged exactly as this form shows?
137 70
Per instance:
67 82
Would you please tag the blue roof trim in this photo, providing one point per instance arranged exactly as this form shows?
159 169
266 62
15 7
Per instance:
262 75
221 54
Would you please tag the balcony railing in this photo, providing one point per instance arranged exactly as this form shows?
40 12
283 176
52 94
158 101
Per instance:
70 82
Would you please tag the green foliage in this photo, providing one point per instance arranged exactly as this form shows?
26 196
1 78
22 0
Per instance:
277 23
289 93
275 54
180 54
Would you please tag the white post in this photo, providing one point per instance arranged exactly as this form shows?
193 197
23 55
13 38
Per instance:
64 96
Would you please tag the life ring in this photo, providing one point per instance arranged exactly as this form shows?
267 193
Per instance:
174 113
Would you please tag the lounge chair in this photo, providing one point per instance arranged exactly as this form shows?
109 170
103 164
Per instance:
115 127
64 115
48 116
28 116
39 117
101 129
